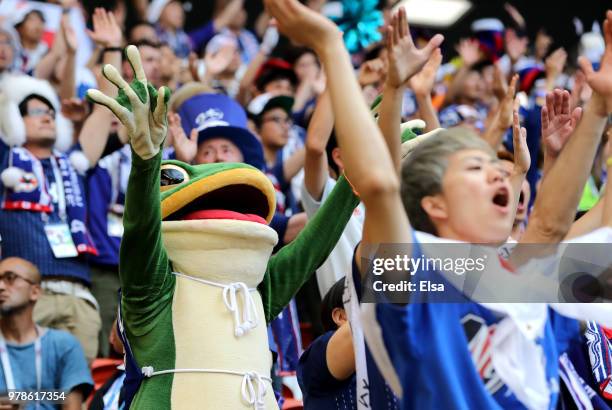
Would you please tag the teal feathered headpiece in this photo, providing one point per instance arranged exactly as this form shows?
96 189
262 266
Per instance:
359 23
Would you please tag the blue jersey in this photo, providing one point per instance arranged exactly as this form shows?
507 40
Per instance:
442 353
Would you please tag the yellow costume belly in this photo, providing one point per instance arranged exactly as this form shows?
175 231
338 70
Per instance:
232 371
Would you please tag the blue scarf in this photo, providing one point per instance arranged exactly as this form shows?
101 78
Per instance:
600 355
31 194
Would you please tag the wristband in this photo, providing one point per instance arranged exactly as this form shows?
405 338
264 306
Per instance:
609 162
112 50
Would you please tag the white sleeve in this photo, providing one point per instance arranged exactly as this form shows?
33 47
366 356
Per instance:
311 206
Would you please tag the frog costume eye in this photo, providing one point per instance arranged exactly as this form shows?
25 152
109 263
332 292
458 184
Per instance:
172 175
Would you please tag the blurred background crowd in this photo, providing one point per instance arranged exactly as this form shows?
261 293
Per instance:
241 93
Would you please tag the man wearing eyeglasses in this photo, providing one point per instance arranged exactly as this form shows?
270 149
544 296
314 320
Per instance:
272 118
43 210
33 358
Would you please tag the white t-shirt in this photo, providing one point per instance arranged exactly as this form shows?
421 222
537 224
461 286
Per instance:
339 262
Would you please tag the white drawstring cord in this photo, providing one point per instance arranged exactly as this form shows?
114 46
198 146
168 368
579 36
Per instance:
253 388
249 318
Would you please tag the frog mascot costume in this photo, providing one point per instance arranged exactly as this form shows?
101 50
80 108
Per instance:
198 280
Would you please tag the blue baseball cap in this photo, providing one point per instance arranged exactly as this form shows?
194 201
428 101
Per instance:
218 116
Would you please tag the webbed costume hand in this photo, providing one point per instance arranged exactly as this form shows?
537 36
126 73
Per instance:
141 109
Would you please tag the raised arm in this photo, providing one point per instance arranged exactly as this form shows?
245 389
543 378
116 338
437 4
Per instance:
469 51
315 163
405 60
422 85
46 66
293 164
522 157
557 125
68 80
94 134
291 266
560 192
144 266
606 219
502 119
269 41
368 164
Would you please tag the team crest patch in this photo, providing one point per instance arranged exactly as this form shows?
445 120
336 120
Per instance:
27 183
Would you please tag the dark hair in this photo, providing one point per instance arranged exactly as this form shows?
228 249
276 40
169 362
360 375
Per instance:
273 74
146 43
140 23
331 301
331 144
424 168
294 54
481 65
23 105
33 11
373 53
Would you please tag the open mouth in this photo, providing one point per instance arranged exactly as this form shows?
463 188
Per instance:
521 202
238 202
237 194
501 198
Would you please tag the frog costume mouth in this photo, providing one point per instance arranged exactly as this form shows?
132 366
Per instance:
215 191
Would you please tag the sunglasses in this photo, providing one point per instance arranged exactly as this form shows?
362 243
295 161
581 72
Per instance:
10 277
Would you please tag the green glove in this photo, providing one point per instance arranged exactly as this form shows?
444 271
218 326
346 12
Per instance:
139 107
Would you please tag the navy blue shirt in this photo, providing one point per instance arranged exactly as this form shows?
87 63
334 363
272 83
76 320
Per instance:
23 233
321 390
106 184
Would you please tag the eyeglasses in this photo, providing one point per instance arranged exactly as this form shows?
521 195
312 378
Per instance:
39 112
279 120
10 277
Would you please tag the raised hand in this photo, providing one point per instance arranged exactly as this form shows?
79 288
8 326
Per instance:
581 92
501 119
601 81
305 26
75 110
106 32
405 59
139 107
557 121
69 35
500 88
469 51
507 104
219 61
422 82
185 147
515 46
555 63
522 157
371 72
